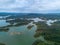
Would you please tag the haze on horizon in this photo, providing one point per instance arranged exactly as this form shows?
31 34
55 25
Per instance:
30 6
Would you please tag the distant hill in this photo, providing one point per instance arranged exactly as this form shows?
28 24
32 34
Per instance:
29 15
4 14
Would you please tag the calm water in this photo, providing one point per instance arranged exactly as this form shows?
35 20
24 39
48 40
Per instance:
25 38
3 23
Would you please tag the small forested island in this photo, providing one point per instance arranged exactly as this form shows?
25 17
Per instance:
30 26
2 44
4 29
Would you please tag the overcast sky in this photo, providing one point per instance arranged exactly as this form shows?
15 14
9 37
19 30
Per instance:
30 6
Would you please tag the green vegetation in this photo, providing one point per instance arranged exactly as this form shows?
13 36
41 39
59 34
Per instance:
18 22
21 23
4 29
41 29
2 44
30 26
50 33
39 42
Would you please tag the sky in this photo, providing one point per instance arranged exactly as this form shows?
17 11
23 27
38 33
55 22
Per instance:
30 6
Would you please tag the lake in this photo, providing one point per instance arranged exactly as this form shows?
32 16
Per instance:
20 35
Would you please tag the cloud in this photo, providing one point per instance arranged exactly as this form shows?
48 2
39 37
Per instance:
38 6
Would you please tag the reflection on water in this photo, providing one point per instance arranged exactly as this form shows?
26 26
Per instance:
16 33
3 23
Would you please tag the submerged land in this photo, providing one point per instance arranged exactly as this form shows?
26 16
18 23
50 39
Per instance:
41 29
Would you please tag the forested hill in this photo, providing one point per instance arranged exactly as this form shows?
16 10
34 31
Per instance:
33 15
